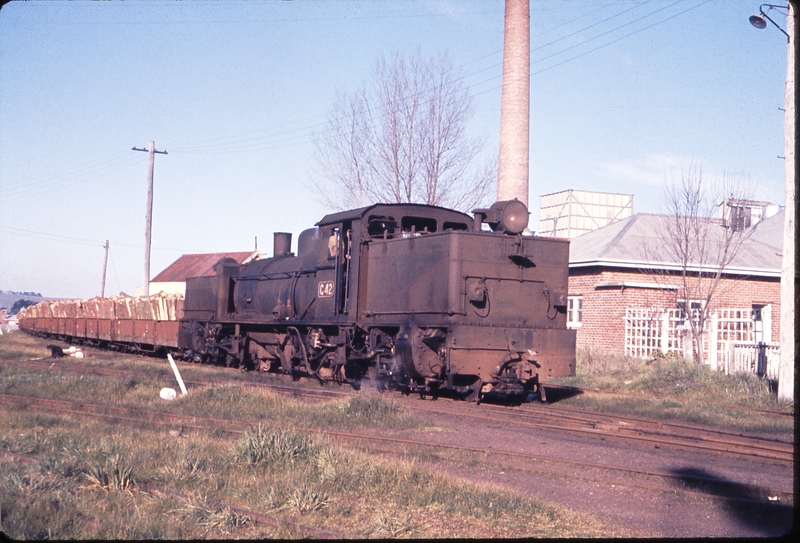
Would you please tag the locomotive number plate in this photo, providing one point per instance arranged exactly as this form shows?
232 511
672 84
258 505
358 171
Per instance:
325 289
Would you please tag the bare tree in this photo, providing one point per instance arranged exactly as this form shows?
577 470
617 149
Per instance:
403 139
699 246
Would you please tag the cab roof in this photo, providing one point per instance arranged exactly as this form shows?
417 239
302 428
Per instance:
441 214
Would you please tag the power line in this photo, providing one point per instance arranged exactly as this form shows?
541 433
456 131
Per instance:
79 174
277 138
299 135
77 241
552 55
625 36
114 268
48 236
272 20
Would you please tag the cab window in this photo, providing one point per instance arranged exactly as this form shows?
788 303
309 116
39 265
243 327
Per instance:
418 225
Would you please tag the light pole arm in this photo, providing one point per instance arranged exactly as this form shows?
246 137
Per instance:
767 17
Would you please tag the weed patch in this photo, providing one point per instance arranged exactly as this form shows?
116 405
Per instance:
269 445
668 387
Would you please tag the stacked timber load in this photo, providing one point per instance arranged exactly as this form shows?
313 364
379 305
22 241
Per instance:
158 307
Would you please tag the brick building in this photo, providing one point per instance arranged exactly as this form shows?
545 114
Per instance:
626 294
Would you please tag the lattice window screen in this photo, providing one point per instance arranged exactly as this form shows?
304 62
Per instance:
648 330
642 332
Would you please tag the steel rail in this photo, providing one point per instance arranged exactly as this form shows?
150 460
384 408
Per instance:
748 445
785 454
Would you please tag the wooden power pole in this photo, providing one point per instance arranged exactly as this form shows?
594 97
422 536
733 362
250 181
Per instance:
105 265
148 221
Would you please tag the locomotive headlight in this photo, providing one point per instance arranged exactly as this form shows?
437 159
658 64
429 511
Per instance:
512 216
509 216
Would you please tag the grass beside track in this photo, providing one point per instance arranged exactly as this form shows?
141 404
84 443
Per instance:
669 388
89 478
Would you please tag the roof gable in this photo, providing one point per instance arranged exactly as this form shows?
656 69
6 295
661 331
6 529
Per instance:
640 241
199 265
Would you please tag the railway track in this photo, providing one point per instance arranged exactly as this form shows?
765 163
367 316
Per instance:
50 364
610 426
138 416
662 432
550 417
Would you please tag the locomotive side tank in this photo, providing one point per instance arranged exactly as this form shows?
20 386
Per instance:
410 296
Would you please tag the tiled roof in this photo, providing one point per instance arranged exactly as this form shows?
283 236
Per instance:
198 265
640 241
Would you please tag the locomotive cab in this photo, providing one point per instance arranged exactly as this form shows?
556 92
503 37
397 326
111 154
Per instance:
471 310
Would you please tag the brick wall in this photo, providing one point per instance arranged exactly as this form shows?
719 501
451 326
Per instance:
603 326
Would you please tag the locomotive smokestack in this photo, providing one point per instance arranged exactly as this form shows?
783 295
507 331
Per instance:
282 244
512 168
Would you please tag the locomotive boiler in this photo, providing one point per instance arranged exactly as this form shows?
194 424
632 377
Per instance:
412 297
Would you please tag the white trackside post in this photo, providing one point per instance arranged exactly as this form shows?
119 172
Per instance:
177 374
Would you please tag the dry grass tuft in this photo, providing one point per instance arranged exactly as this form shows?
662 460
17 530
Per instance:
110 475
306 499
390 524
262 445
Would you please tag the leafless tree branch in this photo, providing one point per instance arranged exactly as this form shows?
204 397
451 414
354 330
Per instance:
403 139
700 245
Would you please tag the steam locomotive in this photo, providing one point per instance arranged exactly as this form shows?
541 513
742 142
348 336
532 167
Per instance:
408 296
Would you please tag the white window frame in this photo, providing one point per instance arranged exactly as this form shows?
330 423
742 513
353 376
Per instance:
574 311
695 307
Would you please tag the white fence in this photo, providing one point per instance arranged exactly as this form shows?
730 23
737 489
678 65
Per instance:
734 340
762 359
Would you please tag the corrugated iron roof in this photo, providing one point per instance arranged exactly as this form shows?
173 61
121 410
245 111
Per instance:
640 242
199 265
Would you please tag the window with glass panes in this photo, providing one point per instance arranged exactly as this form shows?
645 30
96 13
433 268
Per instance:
574 311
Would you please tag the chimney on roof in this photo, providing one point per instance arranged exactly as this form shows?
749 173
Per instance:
742 214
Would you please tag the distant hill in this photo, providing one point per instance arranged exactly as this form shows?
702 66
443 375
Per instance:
7 299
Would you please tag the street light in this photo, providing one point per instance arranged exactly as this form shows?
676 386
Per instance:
760 21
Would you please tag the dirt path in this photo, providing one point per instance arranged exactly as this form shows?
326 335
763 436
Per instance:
644 506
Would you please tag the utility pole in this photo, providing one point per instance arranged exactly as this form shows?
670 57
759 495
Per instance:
786 369
105 264
148 221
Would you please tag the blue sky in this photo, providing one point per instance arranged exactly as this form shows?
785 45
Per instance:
623 92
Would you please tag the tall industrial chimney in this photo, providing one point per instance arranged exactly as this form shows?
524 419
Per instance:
512 168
